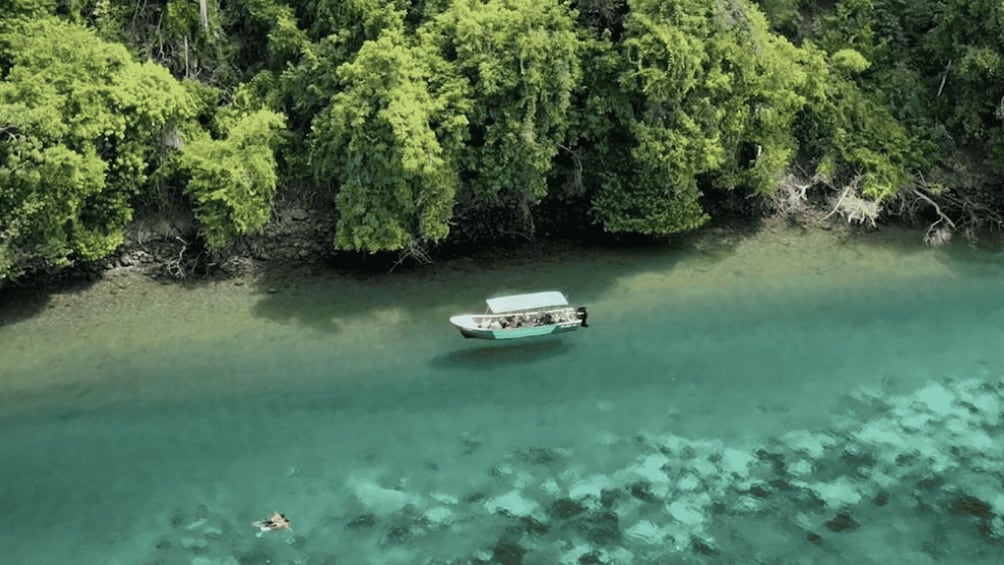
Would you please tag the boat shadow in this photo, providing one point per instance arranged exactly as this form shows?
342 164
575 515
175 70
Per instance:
502 354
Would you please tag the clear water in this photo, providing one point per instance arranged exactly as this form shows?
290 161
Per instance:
784 398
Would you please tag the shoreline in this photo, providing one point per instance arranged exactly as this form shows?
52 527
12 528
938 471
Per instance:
771 255
245 261
115 276
162 246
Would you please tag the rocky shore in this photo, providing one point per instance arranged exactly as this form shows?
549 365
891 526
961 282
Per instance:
167 245
164 244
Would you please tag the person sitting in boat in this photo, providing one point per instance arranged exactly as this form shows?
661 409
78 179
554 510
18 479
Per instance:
277 521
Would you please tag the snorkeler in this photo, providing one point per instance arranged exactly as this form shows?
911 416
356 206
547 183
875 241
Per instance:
277 521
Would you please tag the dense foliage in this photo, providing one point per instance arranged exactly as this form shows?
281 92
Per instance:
712 99
231 181
418 117
83 123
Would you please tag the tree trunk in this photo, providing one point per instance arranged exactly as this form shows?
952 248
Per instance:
204 15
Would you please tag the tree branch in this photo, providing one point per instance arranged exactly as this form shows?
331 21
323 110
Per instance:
840 200
176 267
413 251
944 78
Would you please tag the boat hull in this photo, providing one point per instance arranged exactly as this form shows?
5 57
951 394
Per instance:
518 333
468 328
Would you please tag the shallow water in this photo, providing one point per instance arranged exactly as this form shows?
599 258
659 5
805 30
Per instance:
785 398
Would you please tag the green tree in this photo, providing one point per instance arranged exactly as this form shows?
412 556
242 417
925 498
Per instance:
847 133
232 180
391 139
83 126
521 58
713 95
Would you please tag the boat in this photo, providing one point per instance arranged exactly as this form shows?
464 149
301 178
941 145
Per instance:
521 316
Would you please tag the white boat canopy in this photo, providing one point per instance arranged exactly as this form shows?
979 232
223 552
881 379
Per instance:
533 301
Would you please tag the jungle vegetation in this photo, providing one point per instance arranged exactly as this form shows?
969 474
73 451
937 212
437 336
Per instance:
419 119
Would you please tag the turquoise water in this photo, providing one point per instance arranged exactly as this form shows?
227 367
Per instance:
786 398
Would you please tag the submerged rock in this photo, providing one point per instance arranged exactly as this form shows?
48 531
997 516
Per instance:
529 525
775 460
701 547
601 527
471 445
970 505
508 552
565 508
933 483
398 535
610 497
642 491
759 490
781 485
859 459
177 518
842 522
500 470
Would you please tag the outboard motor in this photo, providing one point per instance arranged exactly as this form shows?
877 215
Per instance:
583 315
